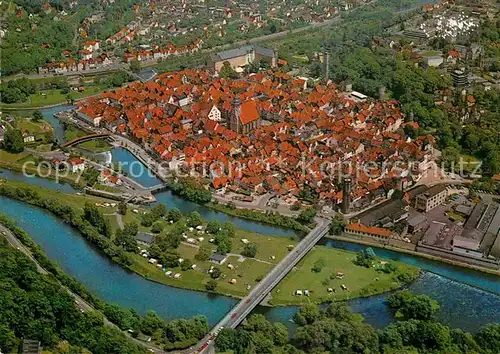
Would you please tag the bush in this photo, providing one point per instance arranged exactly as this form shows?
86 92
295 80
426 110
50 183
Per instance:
211 285
318 265
157 227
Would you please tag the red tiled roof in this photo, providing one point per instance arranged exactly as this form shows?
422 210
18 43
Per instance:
378 231
249 112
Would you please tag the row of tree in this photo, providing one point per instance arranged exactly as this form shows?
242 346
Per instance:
338 330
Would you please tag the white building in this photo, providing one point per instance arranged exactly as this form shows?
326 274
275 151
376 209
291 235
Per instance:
215 114
76 164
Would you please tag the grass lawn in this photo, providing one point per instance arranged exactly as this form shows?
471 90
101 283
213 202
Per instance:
44 147
359 281
98 145
430 53
245 273
74 200
11 158
105 188
25 123
73 132
53 97
15 162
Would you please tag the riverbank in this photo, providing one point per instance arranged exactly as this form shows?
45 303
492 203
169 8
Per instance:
270 217
114 284
238 274
84 300
267 217
414 253
26 162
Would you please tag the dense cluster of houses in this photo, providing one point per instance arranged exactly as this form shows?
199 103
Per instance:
157 53
268 133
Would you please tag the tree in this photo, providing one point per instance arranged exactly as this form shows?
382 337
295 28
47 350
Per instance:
211 285
223 242
90 175
159 211
365 258
213 226
37 116
194 219
174 215
306 216
318 265
157 227
410 306
216 273
488 337
307 314
126 238
250 250
13 141
337 225
226 340
203 254
135 66
186 265
227 72
122 208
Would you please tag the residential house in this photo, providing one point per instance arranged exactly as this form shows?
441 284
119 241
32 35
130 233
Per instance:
76 164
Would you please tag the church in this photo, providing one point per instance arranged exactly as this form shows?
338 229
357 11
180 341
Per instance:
244 117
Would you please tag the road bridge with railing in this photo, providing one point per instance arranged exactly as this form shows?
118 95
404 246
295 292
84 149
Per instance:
265 286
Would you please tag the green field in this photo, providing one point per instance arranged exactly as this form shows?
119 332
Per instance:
53 97
247 272
97 145
73 132
360 281
16 162
25 123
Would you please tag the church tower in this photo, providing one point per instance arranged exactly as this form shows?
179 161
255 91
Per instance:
234 120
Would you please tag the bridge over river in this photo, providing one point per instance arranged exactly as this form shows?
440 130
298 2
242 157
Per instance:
265 286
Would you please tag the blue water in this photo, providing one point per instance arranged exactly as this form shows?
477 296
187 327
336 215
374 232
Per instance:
462 306
37 181
170 200
134 168
471 277
48 115
106 279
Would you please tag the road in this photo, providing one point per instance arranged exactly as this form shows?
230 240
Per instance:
124 66
80 304
262 289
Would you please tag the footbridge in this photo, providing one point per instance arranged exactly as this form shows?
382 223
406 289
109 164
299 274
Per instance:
85 138
265 286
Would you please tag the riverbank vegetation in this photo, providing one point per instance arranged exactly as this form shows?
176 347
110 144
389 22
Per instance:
175 334
337 330
35 307
184 244
267 217
190 190
17 162
27 93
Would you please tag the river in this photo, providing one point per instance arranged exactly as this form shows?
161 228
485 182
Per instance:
463 302
445 283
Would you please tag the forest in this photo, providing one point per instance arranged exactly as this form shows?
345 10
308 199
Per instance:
337 330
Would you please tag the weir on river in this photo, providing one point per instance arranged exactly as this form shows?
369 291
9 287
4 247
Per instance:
452 286
445 283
